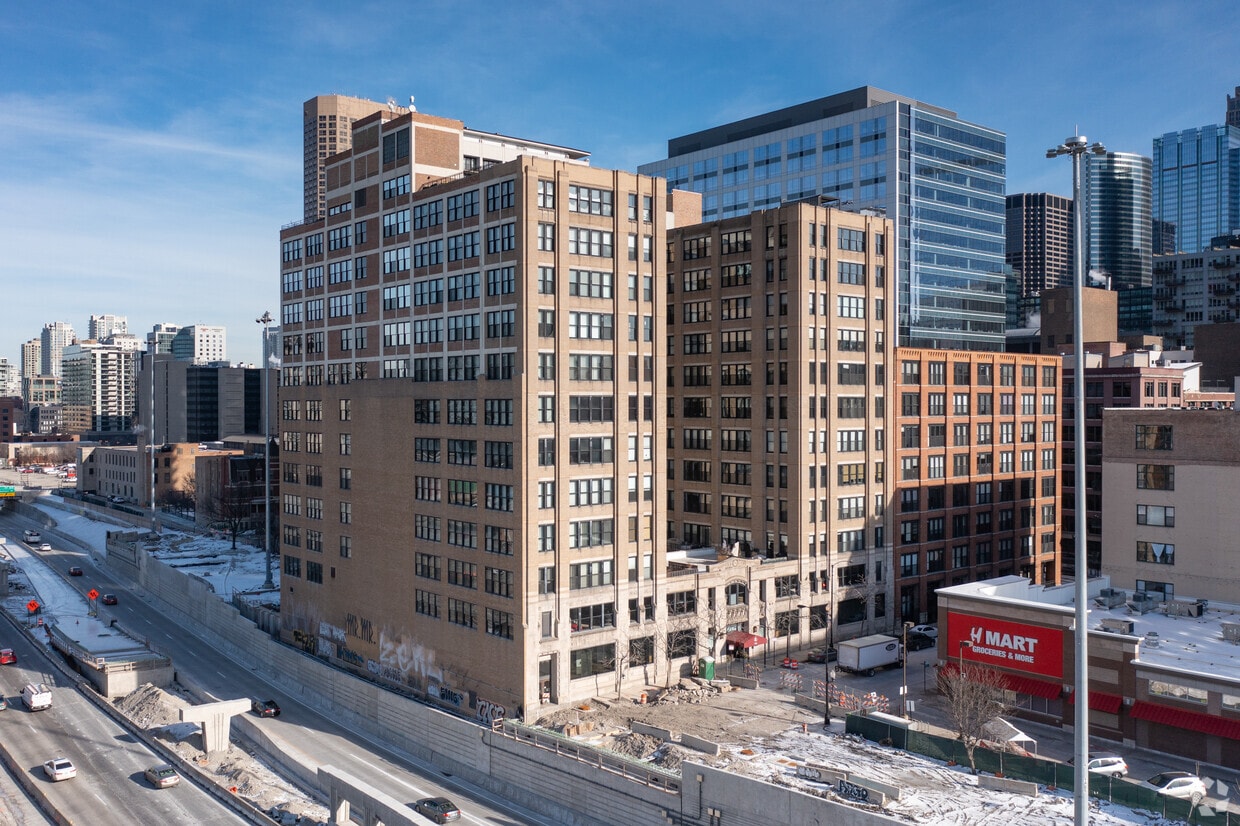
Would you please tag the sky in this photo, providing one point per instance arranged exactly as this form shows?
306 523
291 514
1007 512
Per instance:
150 152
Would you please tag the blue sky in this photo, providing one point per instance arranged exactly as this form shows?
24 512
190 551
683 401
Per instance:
150 152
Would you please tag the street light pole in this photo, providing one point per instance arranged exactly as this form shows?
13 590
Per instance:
904 663
266 320
1077 147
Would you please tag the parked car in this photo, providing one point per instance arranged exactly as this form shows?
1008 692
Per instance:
821 655
75 570
917 641
59 768
265 708
1109 764
109 599
1183 785
162 776
930 631
7 657
438 809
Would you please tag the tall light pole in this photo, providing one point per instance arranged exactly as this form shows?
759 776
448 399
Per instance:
266 320
904 664
1078 146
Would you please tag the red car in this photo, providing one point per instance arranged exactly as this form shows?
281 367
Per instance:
7 657
109 599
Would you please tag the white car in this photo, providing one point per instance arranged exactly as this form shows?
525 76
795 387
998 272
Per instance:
59 768
1109 764
1183 785
930 631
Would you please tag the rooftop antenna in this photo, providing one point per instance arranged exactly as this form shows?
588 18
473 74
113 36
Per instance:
412 108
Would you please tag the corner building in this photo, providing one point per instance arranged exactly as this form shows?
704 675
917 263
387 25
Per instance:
472 433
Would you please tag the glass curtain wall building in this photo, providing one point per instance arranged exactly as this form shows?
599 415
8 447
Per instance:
1116 193
1196 196
941 180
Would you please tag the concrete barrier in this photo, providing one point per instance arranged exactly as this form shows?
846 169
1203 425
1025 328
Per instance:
653 731
1006 784
743 682
698 744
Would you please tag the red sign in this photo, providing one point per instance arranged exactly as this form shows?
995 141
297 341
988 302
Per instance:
1034 649
32 606
93 594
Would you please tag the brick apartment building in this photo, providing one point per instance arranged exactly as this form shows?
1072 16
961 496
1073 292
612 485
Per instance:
977 466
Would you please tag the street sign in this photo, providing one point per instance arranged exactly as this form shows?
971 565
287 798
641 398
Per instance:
32 606
7 491
92 594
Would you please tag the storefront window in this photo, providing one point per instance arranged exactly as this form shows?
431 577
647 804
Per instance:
1177 691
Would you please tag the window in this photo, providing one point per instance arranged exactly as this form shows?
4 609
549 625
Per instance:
1154 437
1156 477
1162 516
462 613
852 240
590 242
1156 552
500 195
589 201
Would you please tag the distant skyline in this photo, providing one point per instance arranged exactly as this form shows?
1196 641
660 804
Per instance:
152 151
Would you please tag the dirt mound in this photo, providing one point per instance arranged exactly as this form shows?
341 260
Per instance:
151 707
633 744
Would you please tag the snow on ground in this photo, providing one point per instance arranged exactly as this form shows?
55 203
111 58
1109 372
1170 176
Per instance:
931 792
211 558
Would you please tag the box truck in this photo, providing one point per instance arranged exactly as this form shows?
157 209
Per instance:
37 696
867 654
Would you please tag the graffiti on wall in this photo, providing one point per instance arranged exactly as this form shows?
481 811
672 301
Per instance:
406 659
489 712
359 627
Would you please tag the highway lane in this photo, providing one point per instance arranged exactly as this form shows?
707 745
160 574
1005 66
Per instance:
300 726
110 789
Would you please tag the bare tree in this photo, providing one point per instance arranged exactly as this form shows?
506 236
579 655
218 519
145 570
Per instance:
975 696
678 636
234 507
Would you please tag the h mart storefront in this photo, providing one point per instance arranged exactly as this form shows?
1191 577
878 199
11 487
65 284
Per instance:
1025 633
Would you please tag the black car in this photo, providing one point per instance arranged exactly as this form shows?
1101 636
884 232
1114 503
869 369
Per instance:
917 642
265 708
75 571
109 599
438 809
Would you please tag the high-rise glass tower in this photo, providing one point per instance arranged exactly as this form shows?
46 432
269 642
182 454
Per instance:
1116 192
940 179
1196 189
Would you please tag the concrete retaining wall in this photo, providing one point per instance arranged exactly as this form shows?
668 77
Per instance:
698 744
549 783
752 801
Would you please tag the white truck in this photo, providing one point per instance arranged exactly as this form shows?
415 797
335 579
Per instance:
867 654
36 696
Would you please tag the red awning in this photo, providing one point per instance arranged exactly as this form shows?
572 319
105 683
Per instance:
1016 682
1027 685
1101 701
1185 719
743 639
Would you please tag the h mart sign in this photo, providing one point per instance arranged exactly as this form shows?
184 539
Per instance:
1034 649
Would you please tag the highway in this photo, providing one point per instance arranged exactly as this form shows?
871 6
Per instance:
110 788
304 730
